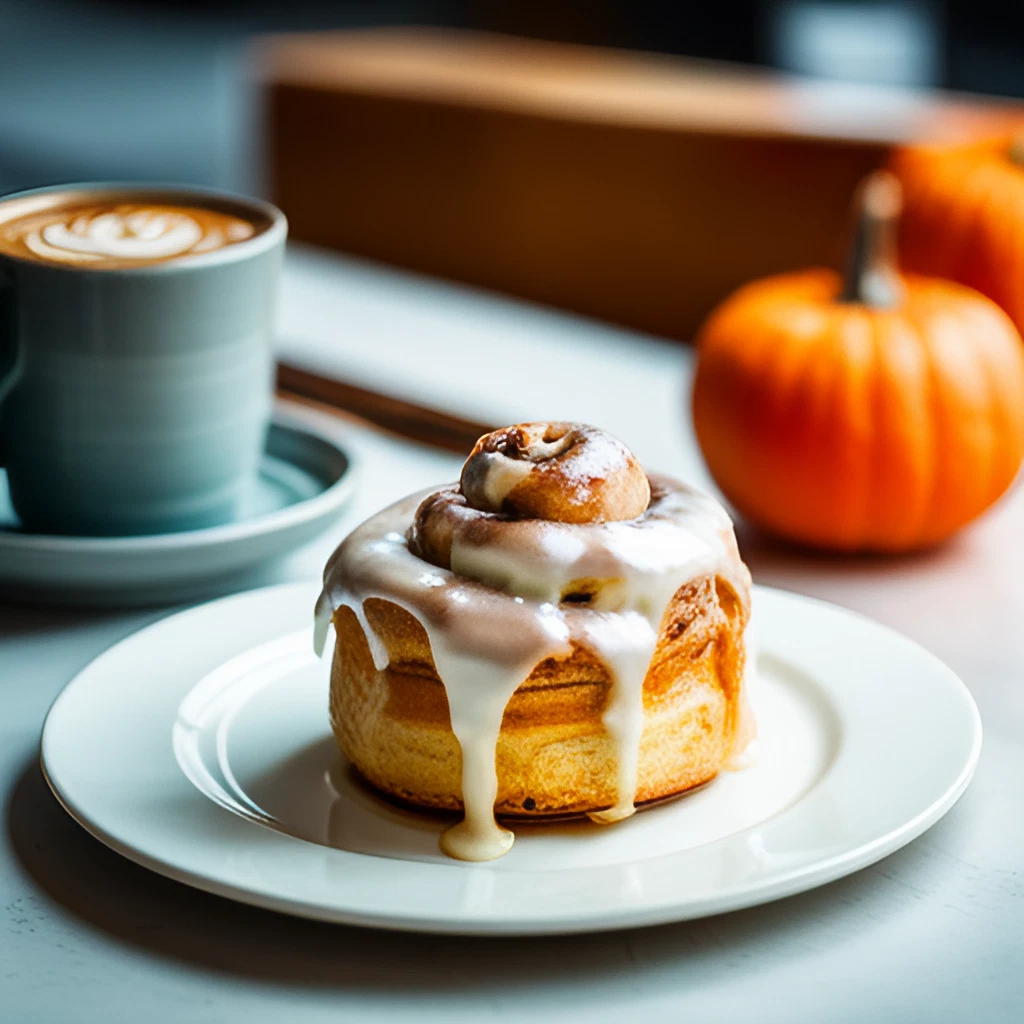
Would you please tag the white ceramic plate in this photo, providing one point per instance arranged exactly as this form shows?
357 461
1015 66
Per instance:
306 478
200 748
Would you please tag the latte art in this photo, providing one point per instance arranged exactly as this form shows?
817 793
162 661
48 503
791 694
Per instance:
140 235
122 234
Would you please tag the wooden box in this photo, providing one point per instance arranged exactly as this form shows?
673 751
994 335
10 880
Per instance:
632 187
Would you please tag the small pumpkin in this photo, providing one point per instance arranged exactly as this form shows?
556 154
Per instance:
964 216
871 412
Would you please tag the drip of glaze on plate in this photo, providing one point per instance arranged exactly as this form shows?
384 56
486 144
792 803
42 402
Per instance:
498 613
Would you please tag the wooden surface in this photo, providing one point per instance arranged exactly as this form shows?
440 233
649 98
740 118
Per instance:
636 188
411 420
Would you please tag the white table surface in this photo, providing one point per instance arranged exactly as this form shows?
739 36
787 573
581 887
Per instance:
933 933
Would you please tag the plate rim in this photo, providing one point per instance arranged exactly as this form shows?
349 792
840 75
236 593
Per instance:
735 897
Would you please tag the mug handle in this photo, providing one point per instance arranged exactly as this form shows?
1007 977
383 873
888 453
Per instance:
10 359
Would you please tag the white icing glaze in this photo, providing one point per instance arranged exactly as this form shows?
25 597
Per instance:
321 622
496 614
499 475
625 642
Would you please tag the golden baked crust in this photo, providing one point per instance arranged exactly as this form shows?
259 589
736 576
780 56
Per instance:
562 472
553 756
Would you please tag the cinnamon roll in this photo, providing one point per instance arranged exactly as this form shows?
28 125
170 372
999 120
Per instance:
557 634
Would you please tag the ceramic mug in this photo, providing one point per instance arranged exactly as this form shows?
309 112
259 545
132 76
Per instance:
136 364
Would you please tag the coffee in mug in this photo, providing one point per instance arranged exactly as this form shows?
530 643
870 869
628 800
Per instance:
118 234
136 364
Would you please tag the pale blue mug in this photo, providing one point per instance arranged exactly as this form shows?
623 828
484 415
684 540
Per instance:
135 399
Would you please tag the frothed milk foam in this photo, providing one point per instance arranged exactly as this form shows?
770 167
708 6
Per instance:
115 234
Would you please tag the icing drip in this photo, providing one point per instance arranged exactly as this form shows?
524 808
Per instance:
478 691
500 611
321 622
378 652
625 643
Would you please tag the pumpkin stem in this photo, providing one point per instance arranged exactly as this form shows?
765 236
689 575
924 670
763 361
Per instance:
871 277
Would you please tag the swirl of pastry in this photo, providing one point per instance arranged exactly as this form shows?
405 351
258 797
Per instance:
563 472
526 492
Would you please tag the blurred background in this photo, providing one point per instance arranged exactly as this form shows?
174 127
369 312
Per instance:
150 90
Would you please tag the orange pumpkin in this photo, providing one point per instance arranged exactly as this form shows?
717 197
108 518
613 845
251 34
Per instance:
872 412
964 216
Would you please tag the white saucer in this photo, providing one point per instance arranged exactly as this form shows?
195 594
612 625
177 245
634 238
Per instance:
200 748
305 480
